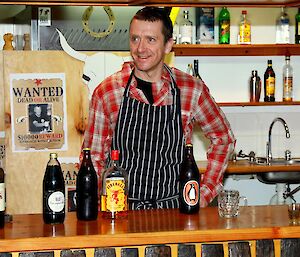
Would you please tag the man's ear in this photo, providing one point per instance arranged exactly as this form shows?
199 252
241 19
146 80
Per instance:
169 45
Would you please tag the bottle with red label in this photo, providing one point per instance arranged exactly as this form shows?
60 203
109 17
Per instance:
114 195
189 183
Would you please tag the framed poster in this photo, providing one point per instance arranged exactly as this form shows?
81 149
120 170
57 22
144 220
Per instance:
38 111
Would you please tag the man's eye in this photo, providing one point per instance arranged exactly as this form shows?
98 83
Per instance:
152 39
134 39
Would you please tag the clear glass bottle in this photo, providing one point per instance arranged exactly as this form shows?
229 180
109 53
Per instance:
190 70
176 34
297 27
186 29
269 83
189 183
244 36
287 74
53 192
114 194
87 189
2 196
224 26
283 28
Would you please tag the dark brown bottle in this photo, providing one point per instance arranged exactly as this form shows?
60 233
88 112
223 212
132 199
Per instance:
2 197
269 83
196 69
53 192
87 189
189 183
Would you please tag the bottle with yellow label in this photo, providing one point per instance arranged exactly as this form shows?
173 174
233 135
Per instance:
114 195
244 36
269 83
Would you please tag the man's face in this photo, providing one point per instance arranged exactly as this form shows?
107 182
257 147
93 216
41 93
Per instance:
147 46
38 110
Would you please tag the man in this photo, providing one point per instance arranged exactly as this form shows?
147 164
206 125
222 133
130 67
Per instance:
39 123
147 111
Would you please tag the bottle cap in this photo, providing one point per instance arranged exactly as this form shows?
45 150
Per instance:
189 145
115 155
53 155
287 57
244 12
269 61
86 149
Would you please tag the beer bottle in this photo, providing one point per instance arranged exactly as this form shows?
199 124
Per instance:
114 195
269 83
189 183
53 192
87 189
2 196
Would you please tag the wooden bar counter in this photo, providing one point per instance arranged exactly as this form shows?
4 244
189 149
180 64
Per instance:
147 227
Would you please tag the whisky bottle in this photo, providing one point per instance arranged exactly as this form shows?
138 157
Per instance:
114 194
269 83
224 26
189 183
244 36
287 74
87 189
186 29
53 192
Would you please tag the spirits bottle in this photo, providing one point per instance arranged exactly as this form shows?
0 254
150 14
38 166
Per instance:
297 27
269 83
196 69
189 183
283 28
186 29
244 36
2 196
224 26
287 75
176 34
87 189
114 195
254 87
53 192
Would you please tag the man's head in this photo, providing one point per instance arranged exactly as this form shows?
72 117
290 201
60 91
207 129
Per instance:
150 40
153 14
37 110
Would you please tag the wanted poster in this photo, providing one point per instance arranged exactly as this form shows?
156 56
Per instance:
38 109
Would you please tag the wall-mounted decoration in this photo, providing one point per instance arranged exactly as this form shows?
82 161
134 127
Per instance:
38 108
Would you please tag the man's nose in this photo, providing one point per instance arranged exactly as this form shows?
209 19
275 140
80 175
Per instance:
141 46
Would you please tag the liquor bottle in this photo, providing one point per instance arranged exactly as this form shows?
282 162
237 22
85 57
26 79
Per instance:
53 192
287 75
189 183
254 87
2 197
244 36
190 70
176 34
186 29
87 189
297 27
224 26
269 83
283 28
114 195
196 69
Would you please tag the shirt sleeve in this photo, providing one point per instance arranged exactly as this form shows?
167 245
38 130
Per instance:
217 129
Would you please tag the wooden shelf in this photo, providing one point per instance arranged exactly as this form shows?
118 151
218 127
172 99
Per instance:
258 103
237 50
181 3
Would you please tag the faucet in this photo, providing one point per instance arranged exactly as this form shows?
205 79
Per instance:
269 145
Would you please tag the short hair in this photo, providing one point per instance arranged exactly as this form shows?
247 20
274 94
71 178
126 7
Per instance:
152 14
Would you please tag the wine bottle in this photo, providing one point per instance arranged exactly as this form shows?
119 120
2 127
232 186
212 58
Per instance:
287 75
87 189
53 192
189 183
114 195
224 26
2 197
269 83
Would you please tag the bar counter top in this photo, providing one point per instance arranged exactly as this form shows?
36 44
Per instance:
28 232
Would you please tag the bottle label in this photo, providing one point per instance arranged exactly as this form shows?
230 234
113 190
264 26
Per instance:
56 201
2 196
245 33
287 88
116 199
270 86
225 31
191 192
186 34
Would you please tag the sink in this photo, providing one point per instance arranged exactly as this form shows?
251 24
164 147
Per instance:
287 177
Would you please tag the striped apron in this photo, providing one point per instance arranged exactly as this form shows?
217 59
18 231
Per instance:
151 144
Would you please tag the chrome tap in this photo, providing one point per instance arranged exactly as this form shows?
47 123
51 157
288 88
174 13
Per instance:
269 145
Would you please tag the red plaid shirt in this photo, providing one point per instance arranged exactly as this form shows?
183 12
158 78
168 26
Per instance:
197 107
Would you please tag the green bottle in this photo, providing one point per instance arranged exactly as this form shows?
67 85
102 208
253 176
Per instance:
297 27
224 26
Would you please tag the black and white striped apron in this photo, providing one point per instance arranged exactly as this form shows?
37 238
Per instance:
151 144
